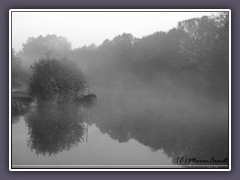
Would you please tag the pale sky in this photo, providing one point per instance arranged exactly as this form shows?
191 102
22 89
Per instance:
84 28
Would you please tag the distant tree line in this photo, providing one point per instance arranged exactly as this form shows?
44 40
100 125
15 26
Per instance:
19 75
196 51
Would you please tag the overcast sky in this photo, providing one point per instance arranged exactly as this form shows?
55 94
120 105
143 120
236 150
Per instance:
84 28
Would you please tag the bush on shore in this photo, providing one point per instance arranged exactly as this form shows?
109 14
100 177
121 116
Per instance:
56 80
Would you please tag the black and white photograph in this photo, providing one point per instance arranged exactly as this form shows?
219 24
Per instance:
120 89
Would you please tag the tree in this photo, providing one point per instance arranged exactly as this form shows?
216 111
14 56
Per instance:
16 65
35 48
19 75
56 80
205 47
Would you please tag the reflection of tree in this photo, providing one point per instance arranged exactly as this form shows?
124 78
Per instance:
176 137
54 128
183 138
120 133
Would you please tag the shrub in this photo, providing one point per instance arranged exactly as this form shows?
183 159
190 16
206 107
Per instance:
56 80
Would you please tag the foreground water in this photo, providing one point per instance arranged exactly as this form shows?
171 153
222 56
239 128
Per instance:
139 128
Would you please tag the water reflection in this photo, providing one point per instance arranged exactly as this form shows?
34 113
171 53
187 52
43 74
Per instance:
54 128
200 138
19 107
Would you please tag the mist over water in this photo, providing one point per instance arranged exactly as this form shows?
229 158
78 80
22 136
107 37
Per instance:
163 115
157 100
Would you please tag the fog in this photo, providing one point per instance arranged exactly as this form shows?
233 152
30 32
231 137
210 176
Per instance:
167 90
84 28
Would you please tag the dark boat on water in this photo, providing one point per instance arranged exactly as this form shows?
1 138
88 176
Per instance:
87 101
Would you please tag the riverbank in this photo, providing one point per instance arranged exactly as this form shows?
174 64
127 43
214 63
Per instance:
20 100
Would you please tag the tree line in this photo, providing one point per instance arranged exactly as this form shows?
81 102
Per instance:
196 52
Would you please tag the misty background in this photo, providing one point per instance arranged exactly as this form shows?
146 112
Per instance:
167 89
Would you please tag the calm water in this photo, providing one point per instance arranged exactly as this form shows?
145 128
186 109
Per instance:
126 127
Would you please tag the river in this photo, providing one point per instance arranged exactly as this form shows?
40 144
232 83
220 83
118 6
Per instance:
140 128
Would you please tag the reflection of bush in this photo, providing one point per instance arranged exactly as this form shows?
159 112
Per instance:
19 107
54 128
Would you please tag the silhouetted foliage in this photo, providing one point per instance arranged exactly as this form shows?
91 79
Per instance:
195 52
205 47
58 80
